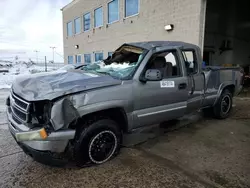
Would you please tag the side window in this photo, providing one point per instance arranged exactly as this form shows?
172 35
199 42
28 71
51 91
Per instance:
131 7
69 29
86 22
78 59
77 25
70 59
98 17
167 62
191 63
87 58
98 56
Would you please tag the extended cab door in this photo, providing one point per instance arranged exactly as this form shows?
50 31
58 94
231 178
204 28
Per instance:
196 79
157 101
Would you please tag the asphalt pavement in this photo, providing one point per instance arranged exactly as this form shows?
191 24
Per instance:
193 152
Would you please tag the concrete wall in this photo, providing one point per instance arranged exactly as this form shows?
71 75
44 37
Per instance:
186 15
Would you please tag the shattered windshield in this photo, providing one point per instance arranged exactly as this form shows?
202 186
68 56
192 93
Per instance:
121 65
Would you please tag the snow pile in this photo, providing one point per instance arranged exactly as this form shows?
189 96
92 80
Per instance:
6 79
115 65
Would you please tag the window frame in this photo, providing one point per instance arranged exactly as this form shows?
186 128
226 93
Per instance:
102 17
75 26
178 63
72 59
84 58
194 59
68 28
111 54
133 14
76 58
98 53
84 22
108 12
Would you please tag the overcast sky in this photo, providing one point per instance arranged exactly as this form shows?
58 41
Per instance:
28 25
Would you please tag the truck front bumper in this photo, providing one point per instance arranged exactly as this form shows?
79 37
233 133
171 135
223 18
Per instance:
39 148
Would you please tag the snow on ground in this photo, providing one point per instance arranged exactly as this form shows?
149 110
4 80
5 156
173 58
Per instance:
6 79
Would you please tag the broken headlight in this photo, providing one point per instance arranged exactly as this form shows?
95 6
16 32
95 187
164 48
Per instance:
41 112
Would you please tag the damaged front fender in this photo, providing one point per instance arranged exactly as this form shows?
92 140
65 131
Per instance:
63 113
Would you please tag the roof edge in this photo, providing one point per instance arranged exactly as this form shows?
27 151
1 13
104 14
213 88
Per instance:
69 5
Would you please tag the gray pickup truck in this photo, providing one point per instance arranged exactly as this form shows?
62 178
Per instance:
81 115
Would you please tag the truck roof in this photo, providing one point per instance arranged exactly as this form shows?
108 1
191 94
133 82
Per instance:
152 44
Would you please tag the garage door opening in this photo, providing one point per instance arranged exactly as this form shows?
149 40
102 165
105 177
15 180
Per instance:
227 34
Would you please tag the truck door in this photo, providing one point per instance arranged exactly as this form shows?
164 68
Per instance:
157 101
195 79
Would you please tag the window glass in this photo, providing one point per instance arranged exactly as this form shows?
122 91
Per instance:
69 29
110 54
78 59
87 58
77 25
131 7
70 59
98 56
98 17
190 61
167 63
122 65
86 22
113 11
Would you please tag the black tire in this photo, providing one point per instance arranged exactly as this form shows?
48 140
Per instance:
89 146
221 109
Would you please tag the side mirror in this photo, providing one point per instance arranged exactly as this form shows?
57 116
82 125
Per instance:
153 75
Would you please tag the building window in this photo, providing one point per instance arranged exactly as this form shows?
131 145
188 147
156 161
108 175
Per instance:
86 22
87 58
110 54
98 56
98 17
70 59
77 25
69 29
78 59
131 7
113 11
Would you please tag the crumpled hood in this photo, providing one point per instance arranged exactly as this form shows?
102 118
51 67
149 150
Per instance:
48 86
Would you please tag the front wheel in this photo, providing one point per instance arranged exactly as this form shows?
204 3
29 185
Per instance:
97 143
224 104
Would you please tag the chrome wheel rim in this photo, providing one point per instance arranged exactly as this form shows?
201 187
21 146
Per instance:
225 104
102 147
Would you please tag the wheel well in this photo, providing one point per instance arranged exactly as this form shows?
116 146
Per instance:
116 114
231 88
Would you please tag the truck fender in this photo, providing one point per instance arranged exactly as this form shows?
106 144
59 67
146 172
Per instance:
221 89
107 105
63 113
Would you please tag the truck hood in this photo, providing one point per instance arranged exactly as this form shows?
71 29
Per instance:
49 86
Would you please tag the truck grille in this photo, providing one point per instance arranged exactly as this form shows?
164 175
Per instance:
19 108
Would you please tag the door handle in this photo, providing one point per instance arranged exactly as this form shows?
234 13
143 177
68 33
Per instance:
182 86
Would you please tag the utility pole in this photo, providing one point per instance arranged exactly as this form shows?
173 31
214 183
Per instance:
36 55
53 50
45 64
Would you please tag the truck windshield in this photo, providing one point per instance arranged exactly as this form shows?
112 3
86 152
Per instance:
121 65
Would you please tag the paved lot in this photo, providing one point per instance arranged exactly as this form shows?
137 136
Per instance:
194 152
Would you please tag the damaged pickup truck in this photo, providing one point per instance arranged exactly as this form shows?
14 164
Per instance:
81 115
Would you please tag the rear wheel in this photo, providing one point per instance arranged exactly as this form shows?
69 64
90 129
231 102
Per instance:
97 143
223 106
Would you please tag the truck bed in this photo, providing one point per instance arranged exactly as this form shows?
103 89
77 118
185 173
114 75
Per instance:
216 78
